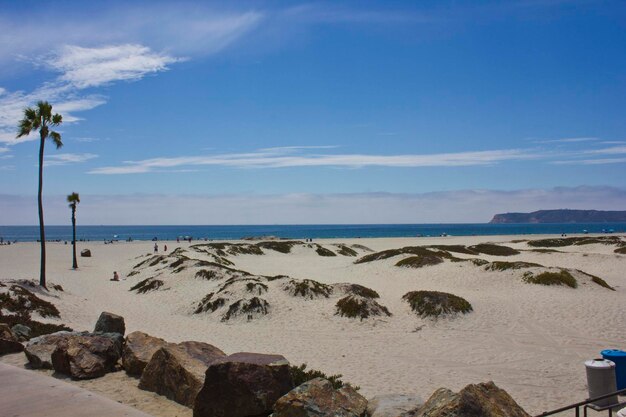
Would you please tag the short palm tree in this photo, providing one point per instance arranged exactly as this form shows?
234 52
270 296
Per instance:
40 118
73 199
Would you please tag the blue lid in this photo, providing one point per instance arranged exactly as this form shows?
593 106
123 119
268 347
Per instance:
613 352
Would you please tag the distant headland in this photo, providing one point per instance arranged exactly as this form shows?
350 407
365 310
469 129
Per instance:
561 216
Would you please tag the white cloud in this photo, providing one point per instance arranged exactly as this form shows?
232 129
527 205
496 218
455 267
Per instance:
568 140
439 207
601 161
92 67
613 150
185 29
68 158
283 157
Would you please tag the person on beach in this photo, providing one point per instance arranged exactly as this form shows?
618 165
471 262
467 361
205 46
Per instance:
156 248
115 276
165 248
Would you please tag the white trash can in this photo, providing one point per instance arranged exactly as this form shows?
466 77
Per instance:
601 381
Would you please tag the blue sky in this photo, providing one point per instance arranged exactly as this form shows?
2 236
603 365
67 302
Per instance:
308 107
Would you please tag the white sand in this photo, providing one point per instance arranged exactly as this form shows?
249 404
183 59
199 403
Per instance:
531 340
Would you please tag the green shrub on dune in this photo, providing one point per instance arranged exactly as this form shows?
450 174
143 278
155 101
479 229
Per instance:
494 250
147 285
436 304
504 266
551 278
354 306
322 251
360 290
308 288
419 261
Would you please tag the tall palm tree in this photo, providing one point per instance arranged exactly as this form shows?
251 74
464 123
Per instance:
73 199
41 118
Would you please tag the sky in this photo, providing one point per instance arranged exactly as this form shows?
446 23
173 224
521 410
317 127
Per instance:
267 112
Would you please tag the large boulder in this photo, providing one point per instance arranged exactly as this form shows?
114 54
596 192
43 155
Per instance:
317 397
8 341
242 385
39 350
138 351
393 405
110 323
88 356
481 400
177 371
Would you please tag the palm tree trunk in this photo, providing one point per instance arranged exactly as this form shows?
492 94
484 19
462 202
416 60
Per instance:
75 264
42 233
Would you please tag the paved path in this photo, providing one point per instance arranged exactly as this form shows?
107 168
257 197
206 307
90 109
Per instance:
25 393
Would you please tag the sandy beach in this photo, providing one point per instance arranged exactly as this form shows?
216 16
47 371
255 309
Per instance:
531 340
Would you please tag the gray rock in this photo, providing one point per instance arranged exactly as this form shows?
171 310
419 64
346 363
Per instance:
39 350
394 405
317 397
243 385
110 323
21 332
87 356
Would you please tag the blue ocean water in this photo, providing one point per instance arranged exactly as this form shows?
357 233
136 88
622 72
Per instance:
31 233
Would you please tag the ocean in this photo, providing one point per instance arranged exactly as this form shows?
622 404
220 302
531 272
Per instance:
93 233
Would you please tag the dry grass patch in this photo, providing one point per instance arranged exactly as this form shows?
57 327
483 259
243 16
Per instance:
435 304
354 306
494 250
551 278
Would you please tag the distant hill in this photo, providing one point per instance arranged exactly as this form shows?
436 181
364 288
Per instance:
561 216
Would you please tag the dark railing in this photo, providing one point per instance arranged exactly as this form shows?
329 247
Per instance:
587 404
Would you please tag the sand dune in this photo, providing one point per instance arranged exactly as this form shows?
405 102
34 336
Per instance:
529 339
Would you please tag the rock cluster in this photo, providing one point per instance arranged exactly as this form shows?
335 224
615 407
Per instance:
201 376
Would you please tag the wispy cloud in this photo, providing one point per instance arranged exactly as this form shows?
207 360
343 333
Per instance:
568 140
283 158
92 67
68 158
601 161
109 46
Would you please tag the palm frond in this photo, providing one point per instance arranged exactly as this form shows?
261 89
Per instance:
25 127
30 113
57 119
73 198
45 110
56 138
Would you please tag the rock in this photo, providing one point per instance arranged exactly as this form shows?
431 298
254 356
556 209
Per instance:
21 332
177 371
85 253
202 351
110 323
5 332
39 350
481 400
317 397
138 351
89 355
243 384
393 405
8 341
